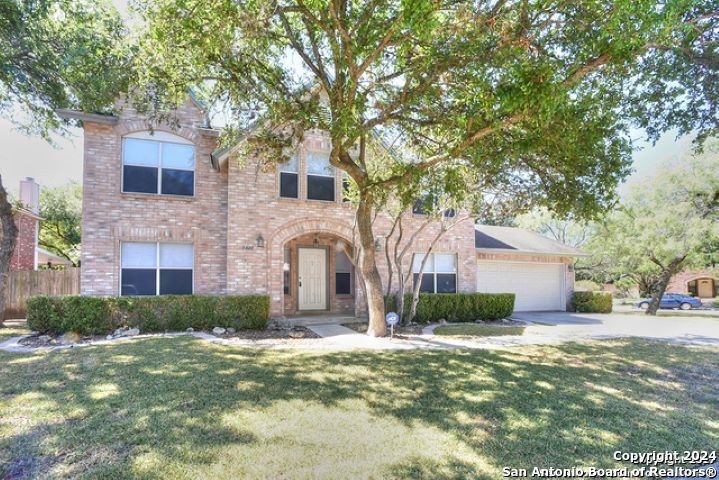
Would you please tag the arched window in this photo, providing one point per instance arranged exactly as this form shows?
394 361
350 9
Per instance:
159 163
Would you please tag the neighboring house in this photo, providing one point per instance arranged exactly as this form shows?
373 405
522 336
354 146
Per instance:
700 283
166 212
27 220
27 255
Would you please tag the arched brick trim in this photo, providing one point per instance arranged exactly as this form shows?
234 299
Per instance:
290 230
711 276
134 126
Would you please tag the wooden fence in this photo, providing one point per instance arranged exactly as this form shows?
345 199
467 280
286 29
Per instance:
25 284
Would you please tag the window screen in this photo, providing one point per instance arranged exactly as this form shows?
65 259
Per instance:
151 166
343 274
289 178
156 269
320 177
440 273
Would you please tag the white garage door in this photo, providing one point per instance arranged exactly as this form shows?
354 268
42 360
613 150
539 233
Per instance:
537 286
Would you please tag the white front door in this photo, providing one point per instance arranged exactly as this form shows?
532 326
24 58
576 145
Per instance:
312 278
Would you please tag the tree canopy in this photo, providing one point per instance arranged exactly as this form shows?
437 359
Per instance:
59 54
536 96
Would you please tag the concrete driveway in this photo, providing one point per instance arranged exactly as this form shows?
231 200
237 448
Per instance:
687 330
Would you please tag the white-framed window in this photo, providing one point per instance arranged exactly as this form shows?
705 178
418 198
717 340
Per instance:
343 274
151 268
345 186
289 178
161 163
320 177
440 272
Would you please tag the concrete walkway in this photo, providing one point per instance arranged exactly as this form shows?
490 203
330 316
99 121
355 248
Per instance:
342 337
544 328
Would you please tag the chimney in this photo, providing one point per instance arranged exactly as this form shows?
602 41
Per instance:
30 194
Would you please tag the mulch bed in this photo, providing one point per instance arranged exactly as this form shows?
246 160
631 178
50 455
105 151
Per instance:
295 333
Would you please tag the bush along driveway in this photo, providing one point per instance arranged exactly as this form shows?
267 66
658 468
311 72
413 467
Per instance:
182 408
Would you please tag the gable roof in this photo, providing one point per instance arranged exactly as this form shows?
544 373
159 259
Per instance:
489 238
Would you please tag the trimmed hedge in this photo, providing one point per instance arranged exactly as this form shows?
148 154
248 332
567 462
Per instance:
457 307
592 302
102 315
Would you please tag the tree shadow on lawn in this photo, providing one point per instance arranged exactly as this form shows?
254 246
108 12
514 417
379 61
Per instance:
185 408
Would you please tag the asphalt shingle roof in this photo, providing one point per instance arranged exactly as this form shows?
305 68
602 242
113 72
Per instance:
510 239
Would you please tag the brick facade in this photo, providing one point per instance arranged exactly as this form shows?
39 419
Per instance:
23 256
237 221
682 282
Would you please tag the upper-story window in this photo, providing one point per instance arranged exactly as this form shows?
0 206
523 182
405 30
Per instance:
161 164
320 177
289 178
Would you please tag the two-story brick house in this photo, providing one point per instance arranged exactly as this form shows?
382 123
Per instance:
166 212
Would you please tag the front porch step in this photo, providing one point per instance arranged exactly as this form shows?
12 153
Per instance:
329 319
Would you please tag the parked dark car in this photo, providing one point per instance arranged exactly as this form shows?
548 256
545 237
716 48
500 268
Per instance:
672 300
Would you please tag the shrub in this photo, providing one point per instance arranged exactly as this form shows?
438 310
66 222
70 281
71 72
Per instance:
592 302
101 315
587 286
457 307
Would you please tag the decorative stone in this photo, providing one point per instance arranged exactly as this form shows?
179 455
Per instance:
119 331
231 330
299 334
279 323
479 321
70 338
109 337
131 332
43 339
218 330
442 321
190 330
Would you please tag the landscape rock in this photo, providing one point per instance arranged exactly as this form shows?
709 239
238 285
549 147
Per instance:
218 330
297 334
231 330
43 339
70 338
479 321
131 332
190 330
109 337
442 321
279 323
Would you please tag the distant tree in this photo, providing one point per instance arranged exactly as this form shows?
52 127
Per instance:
8 235
61 211
568 230
663 225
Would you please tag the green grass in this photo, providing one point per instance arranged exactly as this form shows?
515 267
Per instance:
474 330
8 333
183 408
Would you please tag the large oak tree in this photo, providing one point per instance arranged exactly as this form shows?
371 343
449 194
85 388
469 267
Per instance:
538 94
55 54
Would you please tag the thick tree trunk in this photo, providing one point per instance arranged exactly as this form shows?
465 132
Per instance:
368 267
660 285
7 243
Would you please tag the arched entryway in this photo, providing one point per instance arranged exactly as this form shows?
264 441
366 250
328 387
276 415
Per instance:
310 272
702 287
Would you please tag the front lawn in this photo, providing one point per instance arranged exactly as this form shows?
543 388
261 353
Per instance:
474 330
183 408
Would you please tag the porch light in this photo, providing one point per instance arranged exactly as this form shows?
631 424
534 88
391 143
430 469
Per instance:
260 241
